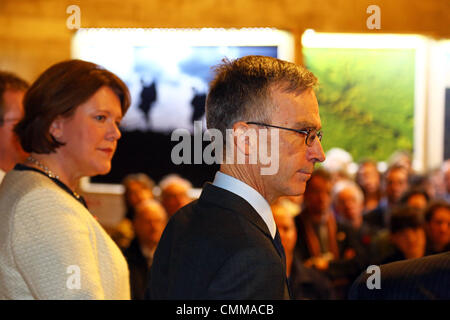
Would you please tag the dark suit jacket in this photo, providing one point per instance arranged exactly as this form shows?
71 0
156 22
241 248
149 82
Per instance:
347 239
139 270
376 218
416 279
309 284
217 247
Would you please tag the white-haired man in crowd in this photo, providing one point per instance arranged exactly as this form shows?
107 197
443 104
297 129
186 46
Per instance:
348 204
174 193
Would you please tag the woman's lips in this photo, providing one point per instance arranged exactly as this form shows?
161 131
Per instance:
107 150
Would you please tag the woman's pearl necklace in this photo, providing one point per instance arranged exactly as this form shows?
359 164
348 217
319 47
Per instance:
48 172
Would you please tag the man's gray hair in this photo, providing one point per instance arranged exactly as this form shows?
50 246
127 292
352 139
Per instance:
344 185
174 179
149 203
241 89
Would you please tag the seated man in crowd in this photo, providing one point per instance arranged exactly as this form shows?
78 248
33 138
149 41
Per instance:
323 243
174 193
396 183
305 283
12 91
348 203
138 188
149 222
437 227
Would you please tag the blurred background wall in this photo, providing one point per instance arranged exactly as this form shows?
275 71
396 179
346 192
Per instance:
33 33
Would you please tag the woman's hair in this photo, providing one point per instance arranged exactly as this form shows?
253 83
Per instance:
404 217
57 93
433 206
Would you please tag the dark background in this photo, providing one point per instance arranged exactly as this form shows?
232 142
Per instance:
149 152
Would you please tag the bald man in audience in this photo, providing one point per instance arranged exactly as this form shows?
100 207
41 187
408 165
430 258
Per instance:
396 184
149 222
12 91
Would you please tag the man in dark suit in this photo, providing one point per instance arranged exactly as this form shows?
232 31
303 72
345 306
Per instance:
225 245
426 278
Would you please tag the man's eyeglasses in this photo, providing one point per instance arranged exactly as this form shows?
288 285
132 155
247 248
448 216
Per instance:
311 134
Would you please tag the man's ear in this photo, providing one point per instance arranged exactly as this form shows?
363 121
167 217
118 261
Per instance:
57 128
245 138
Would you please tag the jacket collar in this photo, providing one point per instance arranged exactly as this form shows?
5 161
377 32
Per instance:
228 200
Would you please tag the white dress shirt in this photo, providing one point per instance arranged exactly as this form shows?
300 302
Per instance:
253 197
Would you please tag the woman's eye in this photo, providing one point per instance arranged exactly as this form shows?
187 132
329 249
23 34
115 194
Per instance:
100 118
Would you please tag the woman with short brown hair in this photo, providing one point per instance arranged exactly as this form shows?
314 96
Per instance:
51 246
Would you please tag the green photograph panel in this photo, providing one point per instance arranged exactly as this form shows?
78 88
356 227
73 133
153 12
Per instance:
366 99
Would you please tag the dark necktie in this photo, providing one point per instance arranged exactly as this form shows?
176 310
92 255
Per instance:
280 249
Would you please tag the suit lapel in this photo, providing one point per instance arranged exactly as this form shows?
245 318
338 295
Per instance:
228 200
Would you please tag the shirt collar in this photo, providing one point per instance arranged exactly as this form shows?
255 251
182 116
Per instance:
253 197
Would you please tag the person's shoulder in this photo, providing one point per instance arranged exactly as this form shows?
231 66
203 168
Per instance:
421 278
17 184
212 228
43 203
27 191
433 264
373 214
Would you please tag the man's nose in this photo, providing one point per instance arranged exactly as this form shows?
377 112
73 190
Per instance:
317 154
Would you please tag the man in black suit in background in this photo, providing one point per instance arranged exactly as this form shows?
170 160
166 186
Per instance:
426 278
225 245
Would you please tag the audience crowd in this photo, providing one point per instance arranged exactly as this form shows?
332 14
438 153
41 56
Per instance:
346 220
342 224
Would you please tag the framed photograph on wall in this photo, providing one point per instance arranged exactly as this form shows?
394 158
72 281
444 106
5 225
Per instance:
168 72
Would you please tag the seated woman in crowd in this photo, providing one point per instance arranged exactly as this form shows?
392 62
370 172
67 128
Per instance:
369 179
52 247
416 198
407 235
437 227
